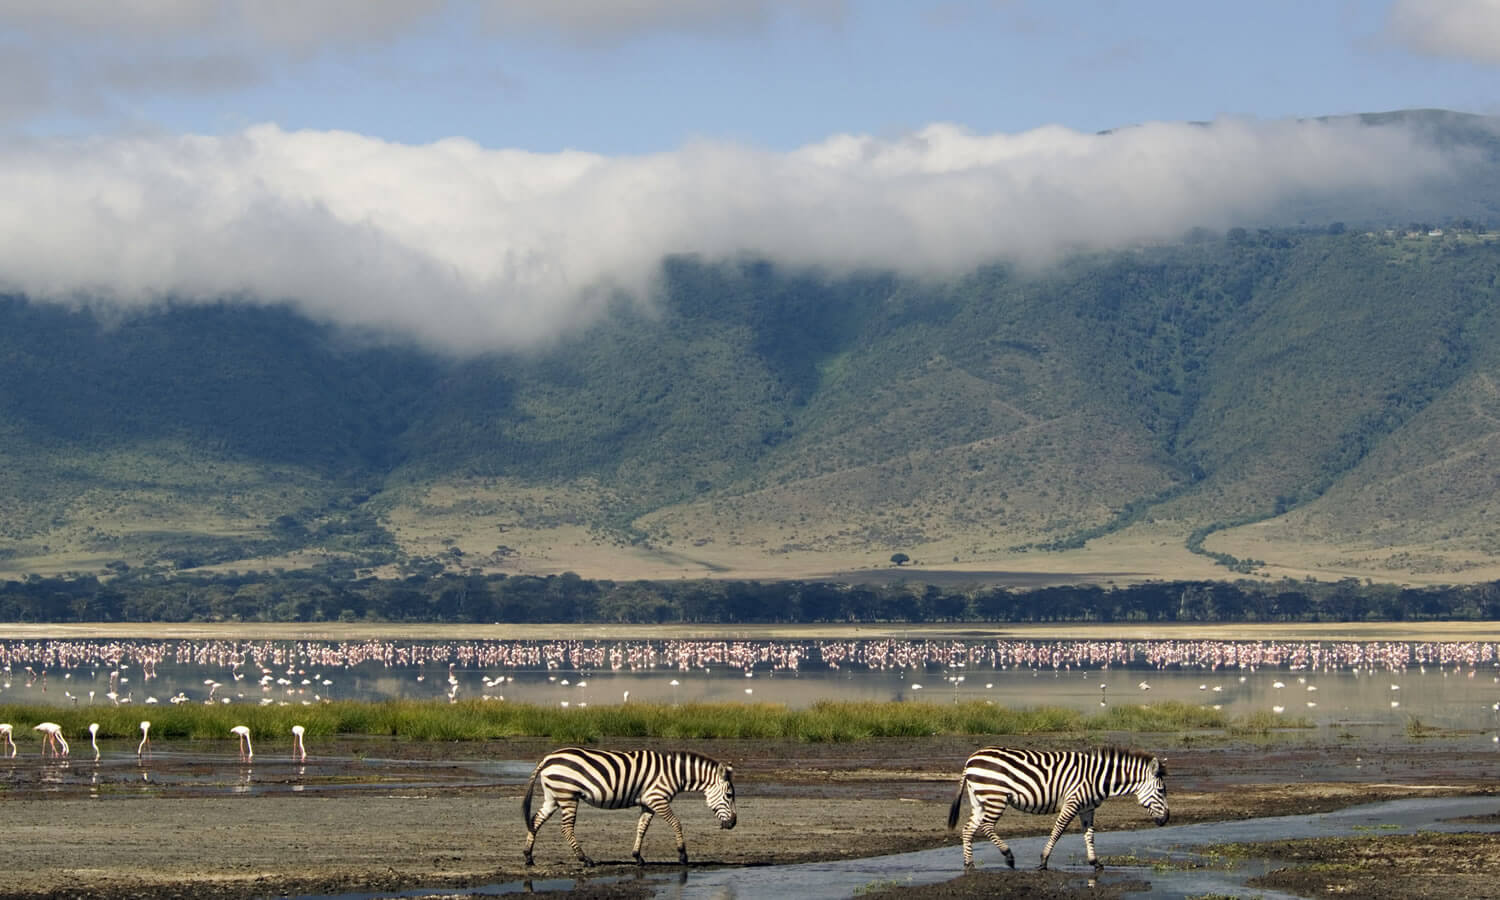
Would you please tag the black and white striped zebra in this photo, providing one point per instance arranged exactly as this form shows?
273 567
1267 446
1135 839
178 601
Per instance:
612 779
1068 782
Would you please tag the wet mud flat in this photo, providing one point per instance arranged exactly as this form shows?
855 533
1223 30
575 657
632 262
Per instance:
365 816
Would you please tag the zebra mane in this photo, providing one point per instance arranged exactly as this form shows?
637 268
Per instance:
707 763
1142 756
693 754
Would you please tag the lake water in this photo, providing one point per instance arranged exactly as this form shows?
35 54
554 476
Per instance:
1453 684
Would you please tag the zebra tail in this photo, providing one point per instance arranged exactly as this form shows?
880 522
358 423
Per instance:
958 800
526 798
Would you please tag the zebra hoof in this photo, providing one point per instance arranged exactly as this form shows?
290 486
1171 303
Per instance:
1011 861
1098 866
586 861
639 860
682 857
528 859
1042 867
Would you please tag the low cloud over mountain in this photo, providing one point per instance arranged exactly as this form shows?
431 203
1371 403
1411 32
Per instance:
469 248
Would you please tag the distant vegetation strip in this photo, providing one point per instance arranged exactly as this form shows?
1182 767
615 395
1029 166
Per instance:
477 720
331 595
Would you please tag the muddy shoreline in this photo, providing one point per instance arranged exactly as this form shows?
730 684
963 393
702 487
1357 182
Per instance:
372 814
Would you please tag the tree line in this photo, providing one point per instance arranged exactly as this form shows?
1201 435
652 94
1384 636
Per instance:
326 596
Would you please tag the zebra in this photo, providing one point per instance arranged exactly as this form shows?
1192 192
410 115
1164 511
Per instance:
1067 782
612 779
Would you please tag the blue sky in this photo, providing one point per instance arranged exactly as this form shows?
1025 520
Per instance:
612 76
482 174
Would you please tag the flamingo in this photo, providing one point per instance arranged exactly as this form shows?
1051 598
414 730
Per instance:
94 738
10 745
54 739
247 752
145 738
297 747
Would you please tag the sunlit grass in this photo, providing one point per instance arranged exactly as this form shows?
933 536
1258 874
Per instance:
476 720
1261 723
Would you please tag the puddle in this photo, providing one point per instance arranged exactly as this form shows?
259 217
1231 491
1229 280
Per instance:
177 773
1171 846
489 890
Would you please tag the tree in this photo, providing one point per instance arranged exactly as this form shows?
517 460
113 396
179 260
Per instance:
900 559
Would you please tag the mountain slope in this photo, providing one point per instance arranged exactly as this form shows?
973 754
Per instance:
1321 400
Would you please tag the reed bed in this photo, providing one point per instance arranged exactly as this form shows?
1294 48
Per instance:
477 720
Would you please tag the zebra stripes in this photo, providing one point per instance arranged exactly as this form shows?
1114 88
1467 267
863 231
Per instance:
1068 782
612 779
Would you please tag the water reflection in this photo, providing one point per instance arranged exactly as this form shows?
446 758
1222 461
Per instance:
1451 684
54 774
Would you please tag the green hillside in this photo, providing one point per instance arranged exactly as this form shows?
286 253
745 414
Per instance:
1329 388
1319 400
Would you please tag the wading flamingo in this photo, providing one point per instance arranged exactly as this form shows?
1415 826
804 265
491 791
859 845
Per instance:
246 751
54 739
145 743
10 745
298 750
94 738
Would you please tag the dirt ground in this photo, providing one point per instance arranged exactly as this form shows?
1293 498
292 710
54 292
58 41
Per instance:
375 814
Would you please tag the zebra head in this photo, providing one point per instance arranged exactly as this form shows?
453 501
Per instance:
1152 792
720 796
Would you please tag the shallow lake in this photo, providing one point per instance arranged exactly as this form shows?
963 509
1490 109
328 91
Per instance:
1452 684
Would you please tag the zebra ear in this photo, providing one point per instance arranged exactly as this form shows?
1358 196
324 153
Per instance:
1161 769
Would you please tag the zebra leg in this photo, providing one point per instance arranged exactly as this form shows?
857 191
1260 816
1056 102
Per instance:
569 816
982 820
1010 858
976 815
640 834
1086 818
549 806
1064 819
665 811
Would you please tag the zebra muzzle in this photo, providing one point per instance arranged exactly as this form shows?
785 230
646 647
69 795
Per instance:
1162 819
727 823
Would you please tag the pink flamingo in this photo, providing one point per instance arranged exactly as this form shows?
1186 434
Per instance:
94 738
10 745
145 743
54 739
247 752
298 749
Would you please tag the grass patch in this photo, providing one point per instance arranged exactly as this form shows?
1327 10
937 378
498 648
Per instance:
473 720
1261 723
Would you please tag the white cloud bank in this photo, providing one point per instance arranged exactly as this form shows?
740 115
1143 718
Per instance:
467 248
